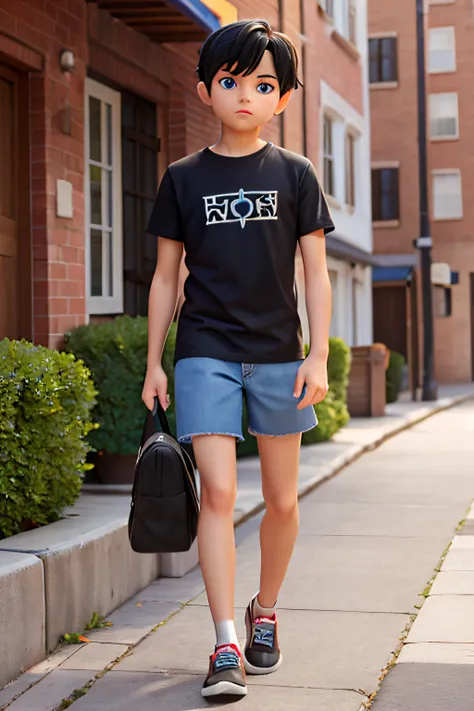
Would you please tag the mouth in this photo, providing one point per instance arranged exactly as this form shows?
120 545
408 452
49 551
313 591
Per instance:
244 111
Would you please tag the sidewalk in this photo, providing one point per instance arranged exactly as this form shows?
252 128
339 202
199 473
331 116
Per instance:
370 540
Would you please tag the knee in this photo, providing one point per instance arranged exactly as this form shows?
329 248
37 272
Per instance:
219 498
282 509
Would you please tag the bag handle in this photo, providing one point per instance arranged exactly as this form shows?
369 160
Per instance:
153 417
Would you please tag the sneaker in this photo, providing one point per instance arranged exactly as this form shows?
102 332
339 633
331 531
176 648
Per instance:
226 673
261 653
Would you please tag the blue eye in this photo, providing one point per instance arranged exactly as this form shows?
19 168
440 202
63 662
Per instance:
228 83
265 88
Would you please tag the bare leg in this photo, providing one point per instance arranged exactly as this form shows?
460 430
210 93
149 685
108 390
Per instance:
279 458
216 461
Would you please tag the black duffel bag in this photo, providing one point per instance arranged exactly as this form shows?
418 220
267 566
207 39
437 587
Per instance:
165 505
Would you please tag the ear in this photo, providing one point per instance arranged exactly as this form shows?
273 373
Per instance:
204 94
283 103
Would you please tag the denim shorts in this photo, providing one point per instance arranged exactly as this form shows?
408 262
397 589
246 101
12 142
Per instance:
209 399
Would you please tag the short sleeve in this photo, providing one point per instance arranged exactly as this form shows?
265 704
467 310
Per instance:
165 218
313 211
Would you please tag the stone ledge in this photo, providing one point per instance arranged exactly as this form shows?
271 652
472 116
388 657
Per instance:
21 597
61 574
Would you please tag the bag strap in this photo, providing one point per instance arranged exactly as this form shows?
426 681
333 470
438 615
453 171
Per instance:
155 419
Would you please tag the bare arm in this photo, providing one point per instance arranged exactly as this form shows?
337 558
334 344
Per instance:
313 372
161 309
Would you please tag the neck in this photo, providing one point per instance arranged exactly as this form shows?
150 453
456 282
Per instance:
235 143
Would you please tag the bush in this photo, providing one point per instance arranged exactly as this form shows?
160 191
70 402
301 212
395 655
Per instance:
46 400
116 354
332 413
394 376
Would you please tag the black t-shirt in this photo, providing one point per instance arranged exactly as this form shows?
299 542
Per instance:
240 220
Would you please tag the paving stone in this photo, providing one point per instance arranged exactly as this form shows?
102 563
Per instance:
172 589
456 582
365 574
131 623
462 560
463 543
378 519
51 690
427 687
445 618
428 653
120 691
467 528
37 672
342 650
94 656
379 478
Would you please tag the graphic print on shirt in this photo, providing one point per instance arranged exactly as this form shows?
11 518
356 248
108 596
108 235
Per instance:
241 207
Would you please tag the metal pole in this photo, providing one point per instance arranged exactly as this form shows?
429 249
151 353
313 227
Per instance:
429 391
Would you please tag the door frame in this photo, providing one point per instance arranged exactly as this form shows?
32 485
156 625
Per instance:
22 138
472 322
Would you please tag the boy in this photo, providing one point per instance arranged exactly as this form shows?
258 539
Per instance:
240 208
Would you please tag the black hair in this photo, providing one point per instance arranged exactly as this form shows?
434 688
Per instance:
242 45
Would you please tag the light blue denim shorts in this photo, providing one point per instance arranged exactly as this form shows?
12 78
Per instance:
209 399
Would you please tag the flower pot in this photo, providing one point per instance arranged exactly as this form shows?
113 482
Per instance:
114 468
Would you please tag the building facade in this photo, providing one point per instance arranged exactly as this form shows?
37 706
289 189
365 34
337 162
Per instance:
97 97
395 183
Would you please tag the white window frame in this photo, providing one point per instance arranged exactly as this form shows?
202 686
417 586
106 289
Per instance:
101 305
452 32
329 155
444 136
447 171
441 2
351 178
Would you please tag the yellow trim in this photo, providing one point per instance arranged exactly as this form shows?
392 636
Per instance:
223 10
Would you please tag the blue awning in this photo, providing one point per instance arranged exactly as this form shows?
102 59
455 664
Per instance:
197 12
391 273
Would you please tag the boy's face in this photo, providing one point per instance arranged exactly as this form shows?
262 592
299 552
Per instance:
244 103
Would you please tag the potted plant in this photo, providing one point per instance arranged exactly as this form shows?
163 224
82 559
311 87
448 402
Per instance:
116 354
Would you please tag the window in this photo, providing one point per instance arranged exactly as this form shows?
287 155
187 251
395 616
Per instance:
329 182
442 50
103 201
352 22
442 302
444 115
328 7
385 198
383 60
447 195
350 169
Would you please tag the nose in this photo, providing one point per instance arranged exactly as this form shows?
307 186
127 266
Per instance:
244 97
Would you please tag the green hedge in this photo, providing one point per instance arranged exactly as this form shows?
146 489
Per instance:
116 354
46 400
394 376
332 413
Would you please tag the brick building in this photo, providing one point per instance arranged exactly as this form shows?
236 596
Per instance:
450 104
83 148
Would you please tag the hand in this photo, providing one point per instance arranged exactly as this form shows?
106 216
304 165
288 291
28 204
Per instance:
312 373
156 384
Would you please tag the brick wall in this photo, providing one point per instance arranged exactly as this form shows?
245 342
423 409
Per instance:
394 122
58 244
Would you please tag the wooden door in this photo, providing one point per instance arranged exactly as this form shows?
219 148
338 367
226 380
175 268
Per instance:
15 253
140 147
390 317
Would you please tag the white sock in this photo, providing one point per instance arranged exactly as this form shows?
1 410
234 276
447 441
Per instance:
259 611
226 634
